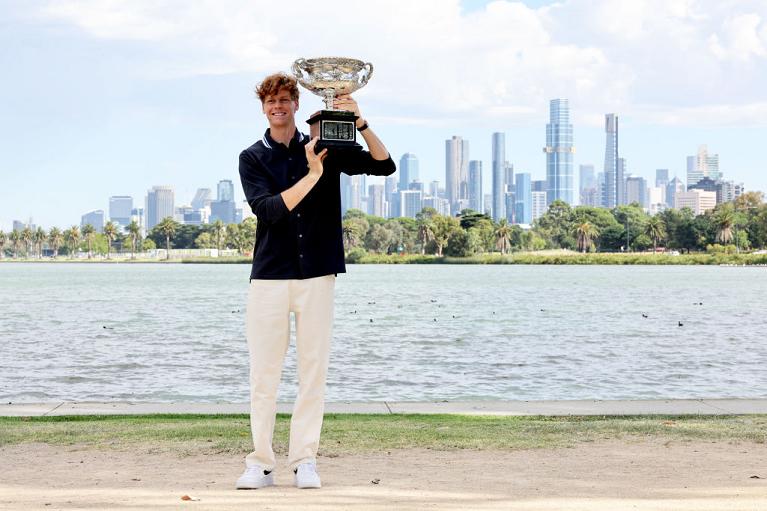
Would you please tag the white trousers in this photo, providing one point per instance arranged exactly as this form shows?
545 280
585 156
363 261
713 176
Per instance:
270 303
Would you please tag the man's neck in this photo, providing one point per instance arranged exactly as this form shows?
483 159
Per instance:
283 135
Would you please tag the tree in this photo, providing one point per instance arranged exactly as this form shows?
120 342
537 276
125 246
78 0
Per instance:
39 238
248 228
503 236
443 228
15 239
378 239
655 230
134 232
724 220
204 240
219 233
585 233
110 233
353 230
425 233
557 225
27 236
168 227
89 233
3 241
55 239
72 238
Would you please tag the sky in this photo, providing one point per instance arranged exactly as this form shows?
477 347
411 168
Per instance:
110 97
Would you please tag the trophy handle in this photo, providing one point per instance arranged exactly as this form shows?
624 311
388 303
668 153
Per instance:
298 71
364 78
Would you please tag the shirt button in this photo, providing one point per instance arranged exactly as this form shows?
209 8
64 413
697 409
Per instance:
292 177
298 215
300 255
300 235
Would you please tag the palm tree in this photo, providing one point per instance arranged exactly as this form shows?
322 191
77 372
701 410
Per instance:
55 239
167 227
503 236
586 232
72 237
219 233
3 241
655 229
134 231
89 233
110 233
39 238
27 235
724 220
15 238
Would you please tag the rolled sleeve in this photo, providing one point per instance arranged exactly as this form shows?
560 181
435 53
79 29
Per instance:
266 203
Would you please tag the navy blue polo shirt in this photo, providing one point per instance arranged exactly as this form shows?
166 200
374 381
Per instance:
306 242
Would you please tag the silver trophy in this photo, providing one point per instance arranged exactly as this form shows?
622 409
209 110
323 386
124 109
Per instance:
329 77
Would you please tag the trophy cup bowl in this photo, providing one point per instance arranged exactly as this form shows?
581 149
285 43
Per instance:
329 77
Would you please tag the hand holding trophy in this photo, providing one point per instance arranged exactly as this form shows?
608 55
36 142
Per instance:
330 77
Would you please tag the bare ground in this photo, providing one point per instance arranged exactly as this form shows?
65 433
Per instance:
610 475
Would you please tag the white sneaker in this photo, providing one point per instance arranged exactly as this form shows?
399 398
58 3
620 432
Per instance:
306 476
255 477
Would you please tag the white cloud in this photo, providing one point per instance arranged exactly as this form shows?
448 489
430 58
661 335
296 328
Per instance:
665 60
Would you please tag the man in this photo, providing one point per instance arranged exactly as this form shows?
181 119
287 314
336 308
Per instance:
295 194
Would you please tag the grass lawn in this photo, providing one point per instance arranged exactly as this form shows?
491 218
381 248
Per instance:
361 433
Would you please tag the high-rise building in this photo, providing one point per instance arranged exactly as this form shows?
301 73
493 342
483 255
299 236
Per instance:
435 190
159 204
456 171
699 201
730 190
488 204
410 203
225 190
523 205
538 185
508 205
499 175
656 202
120 207
612 192
475 186
702 165
95 218
376 200
588 191
672 188
636 190
508 176
438 203
408 170
559 153
620 182
661 177
539 206
202 198
351 193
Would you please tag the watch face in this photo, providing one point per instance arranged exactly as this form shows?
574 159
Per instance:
337 130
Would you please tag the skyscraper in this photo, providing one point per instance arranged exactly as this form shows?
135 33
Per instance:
120 207
559 153
523 199
499 173
408 170
636 190
456 171
95 218
672 189
661 177
702 165
376 200
587 186
539 204
620 182
225 191
613 188
475 186
159 204
202 198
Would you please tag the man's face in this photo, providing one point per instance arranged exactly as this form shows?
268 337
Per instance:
280 109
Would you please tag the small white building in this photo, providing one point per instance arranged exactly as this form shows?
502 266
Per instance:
699 201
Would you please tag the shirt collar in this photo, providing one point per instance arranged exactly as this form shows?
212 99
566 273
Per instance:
270 143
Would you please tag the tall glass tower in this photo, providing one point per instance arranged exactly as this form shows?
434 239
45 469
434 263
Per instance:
475 186
499 174
408 170
613 190
559 153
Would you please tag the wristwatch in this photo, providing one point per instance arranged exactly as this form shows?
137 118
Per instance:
363 127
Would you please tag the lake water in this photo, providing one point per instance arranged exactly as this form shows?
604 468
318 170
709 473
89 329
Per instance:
176 333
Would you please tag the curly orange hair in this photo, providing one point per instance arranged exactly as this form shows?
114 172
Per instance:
275 83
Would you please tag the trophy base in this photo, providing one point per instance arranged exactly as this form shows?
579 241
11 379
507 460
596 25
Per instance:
336 130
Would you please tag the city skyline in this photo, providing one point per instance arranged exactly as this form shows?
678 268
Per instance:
140 101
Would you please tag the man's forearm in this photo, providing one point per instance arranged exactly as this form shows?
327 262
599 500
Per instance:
375 146
296 193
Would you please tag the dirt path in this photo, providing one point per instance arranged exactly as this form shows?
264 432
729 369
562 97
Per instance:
610 476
